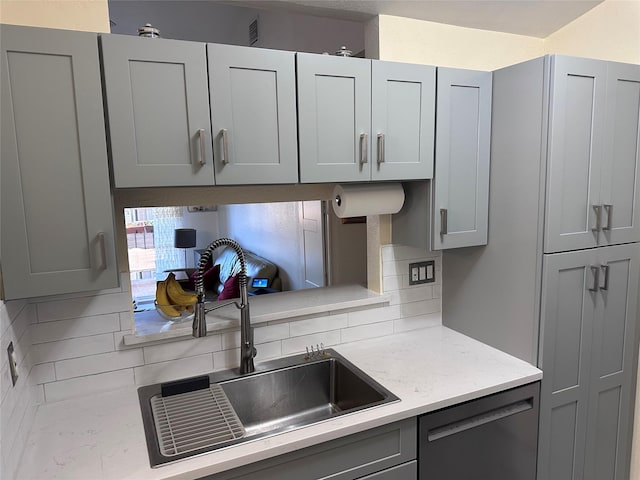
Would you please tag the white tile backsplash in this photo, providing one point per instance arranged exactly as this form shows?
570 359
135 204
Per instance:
101 382
72 345
101 363
78 327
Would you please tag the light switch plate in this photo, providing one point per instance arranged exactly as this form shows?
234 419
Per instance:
422 272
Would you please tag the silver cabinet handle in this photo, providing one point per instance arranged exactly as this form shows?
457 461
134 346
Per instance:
224 134
103 251
605 270
598 210
609 209
596 278
364 149
443 221
380 148
203 158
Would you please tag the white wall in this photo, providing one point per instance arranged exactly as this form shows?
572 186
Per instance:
86 15
271 230
184 20
213 22
418 41
610 31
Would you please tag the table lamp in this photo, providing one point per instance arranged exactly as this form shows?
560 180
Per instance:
185 238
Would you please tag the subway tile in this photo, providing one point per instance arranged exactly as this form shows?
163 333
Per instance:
412 294
182 349
226 359
437 291
394 282
299 344
405 252
420 308
318 325
230 340
374 315
74 387
362 332
126 321
77 327
83 307
42 373
9 311
174 369
101 363
118 339
266 351
418 322
271 333
72 348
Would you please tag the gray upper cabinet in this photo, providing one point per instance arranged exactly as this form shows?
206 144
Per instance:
592 173
402 120
253 115
157 102
461 184
587 355
57 219
334 118
362 120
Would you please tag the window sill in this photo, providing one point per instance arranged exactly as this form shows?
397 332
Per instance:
273 308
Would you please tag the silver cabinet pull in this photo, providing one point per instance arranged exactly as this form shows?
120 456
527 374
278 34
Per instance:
224 134
203 158
605 270
596 278
380 148
443 221
609 209
103 251
364 153
598 210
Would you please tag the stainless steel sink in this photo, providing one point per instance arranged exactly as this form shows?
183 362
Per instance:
281 395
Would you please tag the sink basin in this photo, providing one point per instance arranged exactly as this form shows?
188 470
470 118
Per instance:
281 395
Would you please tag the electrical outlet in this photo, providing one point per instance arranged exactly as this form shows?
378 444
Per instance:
422 272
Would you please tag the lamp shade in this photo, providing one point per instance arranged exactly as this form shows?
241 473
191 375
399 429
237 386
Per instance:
184 238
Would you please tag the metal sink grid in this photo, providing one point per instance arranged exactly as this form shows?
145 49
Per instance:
194 420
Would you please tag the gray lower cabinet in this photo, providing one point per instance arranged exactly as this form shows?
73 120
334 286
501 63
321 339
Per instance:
253 115
383 453
157 100
588 354
362 120
461 181
57 219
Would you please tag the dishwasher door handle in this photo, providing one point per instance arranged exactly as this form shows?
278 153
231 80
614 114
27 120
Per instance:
489 416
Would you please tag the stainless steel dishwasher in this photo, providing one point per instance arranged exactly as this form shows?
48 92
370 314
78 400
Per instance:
491 438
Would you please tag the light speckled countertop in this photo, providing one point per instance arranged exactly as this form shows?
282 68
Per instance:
101 436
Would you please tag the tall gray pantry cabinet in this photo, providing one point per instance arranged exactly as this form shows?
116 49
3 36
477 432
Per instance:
57 219
557 284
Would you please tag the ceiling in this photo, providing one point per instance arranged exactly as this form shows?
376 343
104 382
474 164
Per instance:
535 18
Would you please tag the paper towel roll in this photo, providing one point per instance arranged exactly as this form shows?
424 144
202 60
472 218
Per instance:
367 199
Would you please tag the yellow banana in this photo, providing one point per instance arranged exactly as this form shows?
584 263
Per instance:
177 295
163 302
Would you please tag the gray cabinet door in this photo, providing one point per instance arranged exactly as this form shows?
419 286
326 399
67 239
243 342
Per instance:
574 213
568 310
461 180
158 111
334 118
57 217
612 379
253 115
620 179
402 120
588 356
